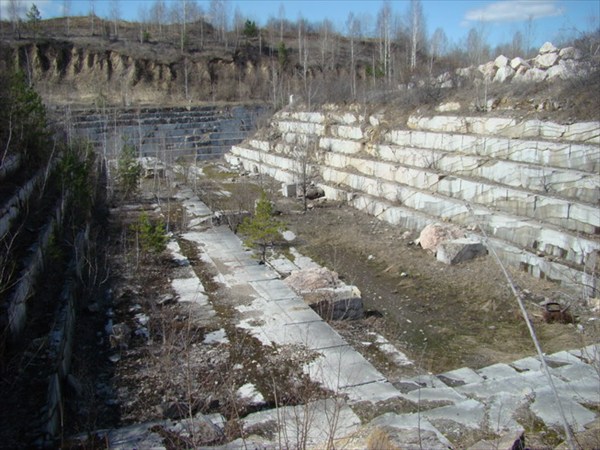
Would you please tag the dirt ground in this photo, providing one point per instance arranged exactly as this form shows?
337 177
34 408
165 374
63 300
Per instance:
443 317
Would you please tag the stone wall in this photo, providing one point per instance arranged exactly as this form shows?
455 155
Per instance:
198 132
532 186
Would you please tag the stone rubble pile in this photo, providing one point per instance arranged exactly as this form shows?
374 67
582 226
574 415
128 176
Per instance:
550 64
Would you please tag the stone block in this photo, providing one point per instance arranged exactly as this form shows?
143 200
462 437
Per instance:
459 250
546 60
570 53
548 47
501 61
503 74
289 190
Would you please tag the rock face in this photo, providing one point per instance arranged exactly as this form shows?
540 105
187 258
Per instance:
531 185
323 291
435 234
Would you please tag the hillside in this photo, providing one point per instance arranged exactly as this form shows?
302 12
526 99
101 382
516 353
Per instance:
87 63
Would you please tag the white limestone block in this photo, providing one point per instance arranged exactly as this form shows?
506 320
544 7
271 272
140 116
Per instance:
347 132
503 74
340 145
547 47
546 60
518 62
570 53
583 132
501 61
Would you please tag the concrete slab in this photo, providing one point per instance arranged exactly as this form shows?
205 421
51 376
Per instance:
283 266
469 413
428 380
588 354
313 424
314 335
524 384
575 372
303 262
562 357
190 290
527 364
375 392
461 376
440 394
273 289
501 411
241 275
298 311
497 372
342 367
546 408
409 421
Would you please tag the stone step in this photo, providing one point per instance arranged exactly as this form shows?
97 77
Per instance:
544 151
539 265
568 183
508 127
522 232
455 179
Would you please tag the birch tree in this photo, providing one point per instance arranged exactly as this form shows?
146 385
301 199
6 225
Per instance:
157 14
384 26
416 29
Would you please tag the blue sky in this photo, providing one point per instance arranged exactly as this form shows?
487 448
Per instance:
552 19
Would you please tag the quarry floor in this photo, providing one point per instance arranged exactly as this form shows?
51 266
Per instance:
442 317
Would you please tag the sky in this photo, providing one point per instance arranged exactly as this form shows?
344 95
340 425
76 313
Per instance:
552 20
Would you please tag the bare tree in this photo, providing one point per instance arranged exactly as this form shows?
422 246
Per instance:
92 15
143 20
14 14
437 46
528 35
66 14
195 14
326 32
417 30
384 27
281 16
218 17
157 13
115 16
517 45
476 45
238 24
353 26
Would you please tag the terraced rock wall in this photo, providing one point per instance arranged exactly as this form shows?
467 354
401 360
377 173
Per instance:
533 187
45 236
198 132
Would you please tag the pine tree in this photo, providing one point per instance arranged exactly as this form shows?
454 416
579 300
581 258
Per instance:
261 230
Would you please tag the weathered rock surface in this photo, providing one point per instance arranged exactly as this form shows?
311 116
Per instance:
456 251
322 290
434 234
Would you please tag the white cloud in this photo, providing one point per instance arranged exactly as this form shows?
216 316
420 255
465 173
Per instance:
514 11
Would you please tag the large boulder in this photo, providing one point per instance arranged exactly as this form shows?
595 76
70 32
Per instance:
546 60
501 61
570 53
456 251
504 73
434 234
548 47
323 291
